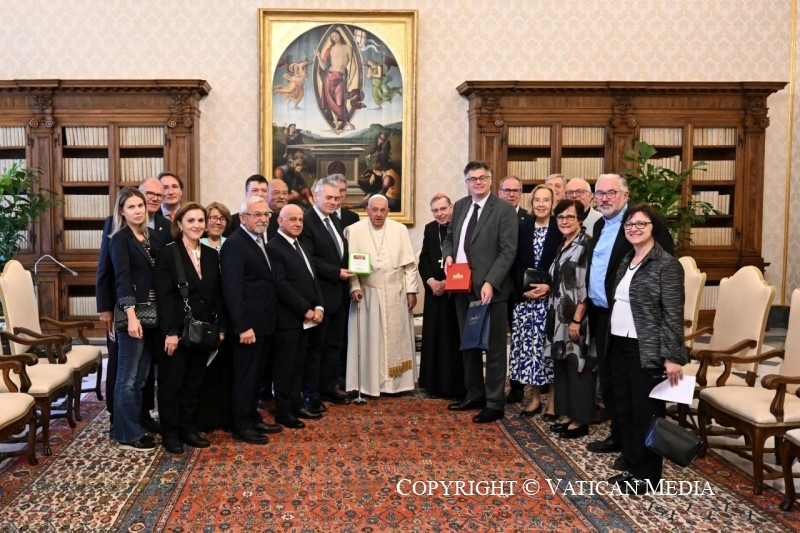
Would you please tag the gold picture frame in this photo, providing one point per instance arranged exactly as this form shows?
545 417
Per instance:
338 95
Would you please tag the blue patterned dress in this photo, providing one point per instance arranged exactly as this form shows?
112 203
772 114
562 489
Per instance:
528 364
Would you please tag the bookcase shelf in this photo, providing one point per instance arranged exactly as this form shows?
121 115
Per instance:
91 138
582 129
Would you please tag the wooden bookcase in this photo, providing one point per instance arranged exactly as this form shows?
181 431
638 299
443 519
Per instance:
91 138
581 129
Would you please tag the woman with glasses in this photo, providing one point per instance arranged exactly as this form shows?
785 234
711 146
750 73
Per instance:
536 248
567 340
645 341
219 217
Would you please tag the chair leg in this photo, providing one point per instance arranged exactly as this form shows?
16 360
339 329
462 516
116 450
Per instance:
787 459
702 430
44 409
98 390
758 463
76 385
32 439
70 406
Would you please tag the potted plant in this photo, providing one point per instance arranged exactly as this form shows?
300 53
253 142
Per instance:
22 201
662 188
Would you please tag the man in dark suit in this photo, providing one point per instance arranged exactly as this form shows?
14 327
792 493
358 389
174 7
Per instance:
106 295
511 191
249 292
483 232
255 185
610 246
322 237
299 302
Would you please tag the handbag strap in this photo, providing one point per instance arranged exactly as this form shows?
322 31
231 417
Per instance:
183 285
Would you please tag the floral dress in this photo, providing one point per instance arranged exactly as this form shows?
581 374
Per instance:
528 364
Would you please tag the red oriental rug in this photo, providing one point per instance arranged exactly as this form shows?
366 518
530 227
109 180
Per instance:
397 463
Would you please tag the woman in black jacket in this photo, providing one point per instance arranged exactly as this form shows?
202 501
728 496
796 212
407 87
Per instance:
181 372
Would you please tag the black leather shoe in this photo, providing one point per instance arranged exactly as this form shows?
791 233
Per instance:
531 413
515 396
488 415
195 441
620 464
173 445
561 427
607 445
336 399
316 406
250 436
150 425
290 422
619 478
575 433
263 427
467 405
632 485
307 414
547 417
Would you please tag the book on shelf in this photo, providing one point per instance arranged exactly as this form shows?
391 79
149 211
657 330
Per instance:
139 168
82 305
85 169
141 136
715 136
86 136
12 136
672 163
719 202
529 135
662 136
712 236
537 169
583 136
8 163
86 205
82 239
582 167
717 170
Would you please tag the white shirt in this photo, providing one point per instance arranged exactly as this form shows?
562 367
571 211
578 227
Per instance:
622 324
461 256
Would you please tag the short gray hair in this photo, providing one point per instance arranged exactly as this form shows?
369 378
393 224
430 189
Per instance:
327 180
623 183
250 201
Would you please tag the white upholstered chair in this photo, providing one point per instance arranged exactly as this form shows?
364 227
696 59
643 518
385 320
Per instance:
694 282
17 409
22 318
758 413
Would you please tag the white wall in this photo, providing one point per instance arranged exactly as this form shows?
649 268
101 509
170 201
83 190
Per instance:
676 40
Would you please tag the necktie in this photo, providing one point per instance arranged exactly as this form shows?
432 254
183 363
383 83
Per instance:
473 221
330 229
171 216
302 257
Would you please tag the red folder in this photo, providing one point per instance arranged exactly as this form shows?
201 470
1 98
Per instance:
459 278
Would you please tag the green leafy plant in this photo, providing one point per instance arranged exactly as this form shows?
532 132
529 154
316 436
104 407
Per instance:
22 201
662 188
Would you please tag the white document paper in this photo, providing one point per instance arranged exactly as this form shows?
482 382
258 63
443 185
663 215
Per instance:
308 324
211 357
683 392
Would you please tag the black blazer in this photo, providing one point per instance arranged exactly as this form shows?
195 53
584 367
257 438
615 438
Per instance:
525 257
205 295
348 217
431 254
247 285
523 214
161 232
133 267
105 284
319 245
298 290
619 250
236 221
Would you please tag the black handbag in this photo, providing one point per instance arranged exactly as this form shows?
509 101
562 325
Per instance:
196 335
535 276
672 442
146 312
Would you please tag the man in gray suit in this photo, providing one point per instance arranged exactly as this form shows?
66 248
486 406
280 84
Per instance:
483 233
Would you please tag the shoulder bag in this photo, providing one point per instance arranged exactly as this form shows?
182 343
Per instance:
196 335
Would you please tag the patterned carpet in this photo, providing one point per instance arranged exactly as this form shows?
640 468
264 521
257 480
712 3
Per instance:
357 470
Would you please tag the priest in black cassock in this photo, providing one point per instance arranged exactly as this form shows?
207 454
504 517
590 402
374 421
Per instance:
441 365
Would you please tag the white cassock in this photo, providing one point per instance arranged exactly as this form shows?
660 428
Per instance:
385 334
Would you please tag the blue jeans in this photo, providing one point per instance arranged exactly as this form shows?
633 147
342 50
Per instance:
132 369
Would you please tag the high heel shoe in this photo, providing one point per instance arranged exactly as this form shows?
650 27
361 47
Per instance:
547 417
575 433
531 413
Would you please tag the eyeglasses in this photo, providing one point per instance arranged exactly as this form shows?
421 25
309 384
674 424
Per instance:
578 193
476 179
566 218
639 224
154 195
511 191
257 215
608 194
216 219
541 201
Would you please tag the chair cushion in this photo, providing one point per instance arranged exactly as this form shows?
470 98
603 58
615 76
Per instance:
45 379
712 374
751 404
793 436
14 406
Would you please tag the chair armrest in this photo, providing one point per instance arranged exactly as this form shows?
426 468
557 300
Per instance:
720 357
778 382
27 359
78 325
15 364
53 343
705 357
699 333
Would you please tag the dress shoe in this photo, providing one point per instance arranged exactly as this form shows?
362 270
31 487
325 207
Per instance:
575 433
618 478
632 485
290 422
467 405
515 396
488 415
337 399
264 427
195 441
139 445
560 427
316 406
173 445
607 445
307 414
531 413
620 464
250 436
150 425
547 417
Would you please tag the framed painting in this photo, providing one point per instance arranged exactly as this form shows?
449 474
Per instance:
338 96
